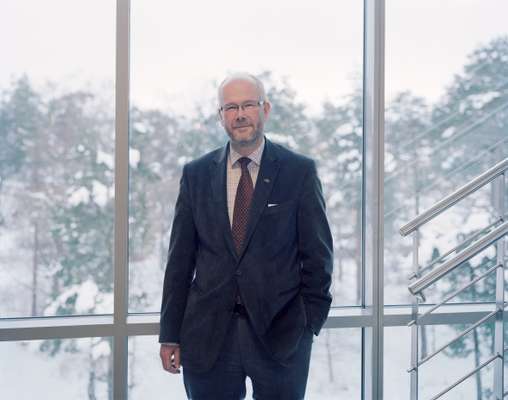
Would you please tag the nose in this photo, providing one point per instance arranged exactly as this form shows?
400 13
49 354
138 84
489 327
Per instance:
240 117
240 112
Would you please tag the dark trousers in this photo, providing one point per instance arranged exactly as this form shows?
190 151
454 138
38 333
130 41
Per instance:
243 355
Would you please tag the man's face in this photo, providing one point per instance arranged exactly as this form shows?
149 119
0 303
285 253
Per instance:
244 127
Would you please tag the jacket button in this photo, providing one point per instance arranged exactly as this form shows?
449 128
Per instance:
238 272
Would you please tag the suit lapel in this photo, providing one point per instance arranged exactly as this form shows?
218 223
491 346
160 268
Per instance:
264 185
219 189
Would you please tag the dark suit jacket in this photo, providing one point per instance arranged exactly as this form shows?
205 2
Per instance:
283 272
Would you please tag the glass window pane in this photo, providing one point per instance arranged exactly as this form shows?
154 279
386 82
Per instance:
314 80
335 368
56 157
446 122
336 365
59 369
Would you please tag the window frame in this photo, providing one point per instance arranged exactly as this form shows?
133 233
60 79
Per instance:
371 316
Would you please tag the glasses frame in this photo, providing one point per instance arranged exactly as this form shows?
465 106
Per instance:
235 108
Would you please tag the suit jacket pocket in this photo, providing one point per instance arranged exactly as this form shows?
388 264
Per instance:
279 208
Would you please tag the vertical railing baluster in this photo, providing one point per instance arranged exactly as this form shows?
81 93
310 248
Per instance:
499 196
414 328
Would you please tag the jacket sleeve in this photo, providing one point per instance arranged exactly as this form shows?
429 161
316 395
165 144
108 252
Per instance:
315 247
180 266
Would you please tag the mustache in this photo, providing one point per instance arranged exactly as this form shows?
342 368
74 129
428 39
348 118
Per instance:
241 124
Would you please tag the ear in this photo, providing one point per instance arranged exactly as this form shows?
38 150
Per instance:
219 118
267 107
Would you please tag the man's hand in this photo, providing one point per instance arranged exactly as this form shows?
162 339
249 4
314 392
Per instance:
170 356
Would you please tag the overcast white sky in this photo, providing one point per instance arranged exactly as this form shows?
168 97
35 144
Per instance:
180 48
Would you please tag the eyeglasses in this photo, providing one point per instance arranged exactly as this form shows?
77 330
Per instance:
246 106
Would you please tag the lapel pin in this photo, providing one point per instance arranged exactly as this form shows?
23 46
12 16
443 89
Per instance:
266 180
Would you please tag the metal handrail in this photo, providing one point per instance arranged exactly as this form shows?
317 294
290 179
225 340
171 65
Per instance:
448 266
474 371
455 197
460 335
451 296
463 244
441 267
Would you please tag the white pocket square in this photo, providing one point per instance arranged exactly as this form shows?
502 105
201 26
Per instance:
272 204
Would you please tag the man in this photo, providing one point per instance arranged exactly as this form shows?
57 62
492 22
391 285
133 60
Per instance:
249 263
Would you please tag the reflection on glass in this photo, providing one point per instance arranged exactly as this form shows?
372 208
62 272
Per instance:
316 93
56 157
57 369
335 368
446 122
445 368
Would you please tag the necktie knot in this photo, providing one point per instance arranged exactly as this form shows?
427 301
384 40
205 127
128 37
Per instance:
244 162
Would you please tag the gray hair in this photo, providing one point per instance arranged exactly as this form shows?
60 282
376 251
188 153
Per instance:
242 76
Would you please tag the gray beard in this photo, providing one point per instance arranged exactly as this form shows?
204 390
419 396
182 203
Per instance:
247 143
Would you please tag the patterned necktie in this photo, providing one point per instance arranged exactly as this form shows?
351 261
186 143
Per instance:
242 205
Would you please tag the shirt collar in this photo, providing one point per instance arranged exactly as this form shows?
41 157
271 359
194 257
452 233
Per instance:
255 156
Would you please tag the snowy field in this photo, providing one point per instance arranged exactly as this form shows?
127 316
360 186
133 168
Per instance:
26 373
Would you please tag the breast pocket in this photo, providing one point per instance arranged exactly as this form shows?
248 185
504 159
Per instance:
277 226
276 208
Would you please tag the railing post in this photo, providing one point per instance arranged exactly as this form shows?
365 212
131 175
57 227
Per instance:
414 328
499 196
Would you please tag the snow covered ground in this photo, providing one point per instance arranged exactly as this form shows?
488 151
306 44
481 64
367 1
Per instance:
26 373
